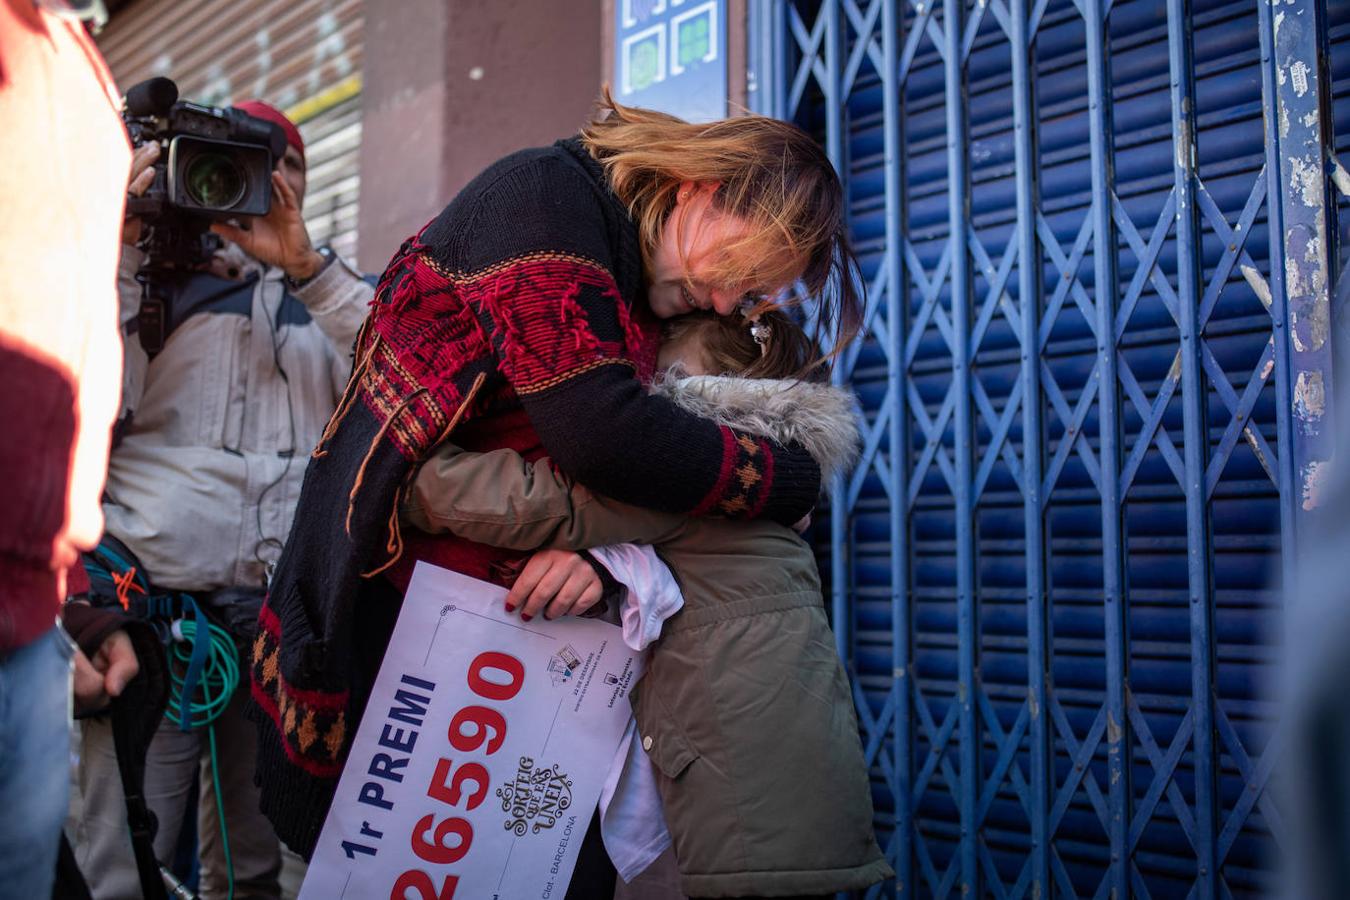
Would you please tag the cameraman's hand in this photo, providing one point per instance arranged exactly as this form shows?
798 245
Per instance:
278 238
139 182
104 677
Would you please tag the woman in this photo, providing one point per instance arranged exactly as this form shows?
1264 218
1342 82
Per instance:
526 316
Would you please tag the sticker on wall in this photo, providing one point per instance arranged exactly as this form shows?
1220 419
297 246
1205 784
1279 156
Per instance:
639 12
669 56
644 60
693 35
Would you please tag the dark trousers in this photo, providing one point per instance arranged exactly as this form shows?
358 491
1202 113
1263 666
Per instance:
595 875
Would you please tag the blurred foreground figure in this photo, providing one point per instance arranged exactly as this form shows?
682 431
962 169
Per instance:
63 168
1316 769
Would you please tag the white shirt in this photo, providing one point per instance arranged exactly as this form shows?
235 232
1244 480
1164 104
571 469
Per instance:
632 822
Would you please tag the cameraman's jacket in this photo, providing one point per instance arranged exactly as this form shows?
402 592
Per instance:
217 428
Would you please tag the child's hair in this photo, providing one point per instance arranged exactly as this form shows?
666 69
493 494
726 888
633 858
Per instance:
728 347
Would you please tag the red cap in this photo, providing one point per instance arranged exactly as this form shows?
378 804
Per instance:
266 111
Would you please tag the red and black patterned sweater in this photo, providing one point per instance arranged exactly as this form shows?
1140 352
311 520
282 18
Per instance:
515 318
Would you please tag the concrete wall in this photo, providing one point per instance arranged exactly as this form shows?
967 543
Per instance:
450 86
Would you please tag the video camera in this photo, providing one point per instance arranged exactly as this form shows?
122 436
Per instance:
214 164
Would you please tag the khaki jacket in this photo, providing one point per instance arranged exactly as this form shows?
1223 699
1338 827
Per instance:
745 709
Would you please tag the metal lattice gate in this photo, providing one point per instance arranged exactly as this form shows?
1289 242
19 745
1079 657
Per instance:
1100 243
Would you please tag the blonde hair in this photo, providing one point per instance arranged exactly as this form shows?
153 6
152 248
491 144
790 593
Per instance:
768 172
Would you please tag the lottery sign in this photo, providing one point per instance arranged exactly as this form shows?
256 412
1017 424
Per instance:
481 754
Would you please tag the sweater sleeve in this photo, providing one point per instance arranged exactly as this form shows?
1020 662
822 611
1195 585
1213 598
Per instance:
566 340
499 499
89 626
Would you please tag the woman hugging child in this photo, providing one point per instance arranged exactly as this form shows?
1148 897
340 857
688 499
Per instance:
744 711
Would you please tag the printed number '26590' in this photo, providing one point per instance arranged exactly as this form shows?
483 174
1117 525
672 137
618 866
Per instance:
472 728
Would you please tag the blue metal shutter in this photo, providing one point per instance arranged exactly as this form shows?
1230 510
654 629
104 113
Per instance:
1058 599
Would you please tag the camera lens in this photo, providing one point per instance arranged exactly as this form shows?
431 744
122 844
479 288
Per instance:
214 181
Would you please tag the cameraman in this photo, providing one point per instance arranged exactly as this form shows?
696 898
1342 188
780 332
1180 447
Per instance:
211 447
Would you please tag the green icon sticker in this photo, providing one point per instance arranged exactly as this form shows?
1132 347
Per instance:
644 63
694 37
694 40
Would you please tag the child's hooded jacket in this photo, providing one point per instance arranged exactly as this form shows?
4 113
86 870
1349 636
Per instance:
744 709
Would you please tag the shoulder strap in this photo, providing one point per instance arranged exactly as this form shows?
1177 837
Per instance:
141 821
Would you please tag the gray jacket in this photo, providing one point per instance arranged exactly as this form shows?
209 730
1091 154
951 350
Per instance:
220 424
745 709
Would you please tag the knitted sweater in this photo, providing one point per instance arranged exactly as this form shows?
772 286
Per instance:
517 314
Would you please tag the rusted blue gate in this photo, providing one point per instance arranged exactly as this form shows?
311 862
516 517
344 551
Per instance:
1102 247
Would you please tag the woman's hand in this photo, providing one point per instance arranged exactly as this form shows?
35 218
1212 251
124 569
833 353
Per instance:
554 583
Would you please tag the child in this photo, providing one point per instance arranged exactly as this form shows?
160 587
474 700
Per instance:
744 709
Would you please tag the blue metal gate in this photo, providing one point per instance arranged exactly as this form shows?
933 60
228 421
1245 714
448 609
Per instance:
1101 244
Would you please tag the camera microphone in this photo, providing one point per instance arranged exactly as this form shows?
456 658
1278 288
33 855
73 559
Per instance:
152 97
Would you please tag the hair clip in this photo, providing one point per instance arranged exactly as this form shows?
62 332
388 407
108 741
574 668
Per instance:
761 332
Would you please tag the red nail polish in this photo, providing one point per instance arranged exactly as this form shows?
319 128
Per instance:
525 617
510 608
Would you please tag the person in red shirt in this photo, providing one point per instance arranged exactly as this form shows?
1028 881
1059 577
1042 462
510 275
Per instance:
63 173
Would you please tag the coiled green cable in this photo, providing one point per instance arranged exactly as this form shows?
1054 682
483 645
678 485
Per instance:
215 687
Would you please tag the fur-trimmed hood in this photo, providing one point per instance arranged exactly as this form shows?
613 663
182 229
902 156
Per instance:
820 417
